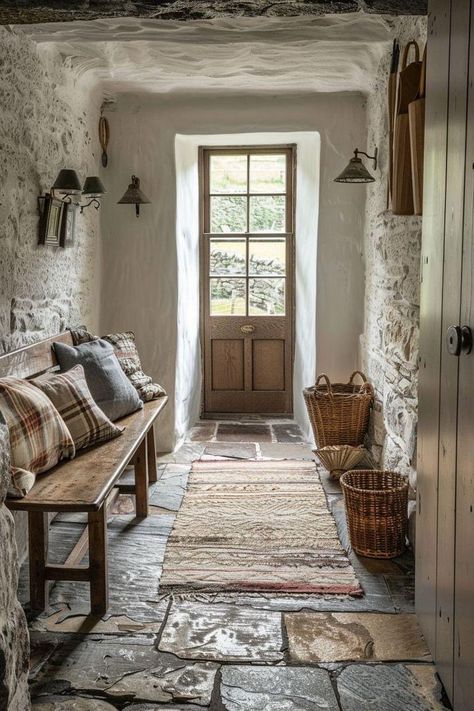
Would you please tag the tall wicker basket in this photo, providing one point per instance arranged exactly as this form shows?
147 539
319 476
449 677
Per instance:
339 412
376 507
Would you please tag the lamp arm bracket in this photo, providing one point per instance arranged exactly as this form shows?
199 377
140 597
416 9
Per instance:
374 157
94 202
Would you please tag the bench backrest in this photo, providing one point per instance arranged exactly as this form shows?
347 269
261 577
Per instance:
32 360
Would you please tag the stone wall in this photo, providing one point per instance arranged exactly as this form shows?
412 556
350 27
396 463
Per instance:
14 644
389 345
47 121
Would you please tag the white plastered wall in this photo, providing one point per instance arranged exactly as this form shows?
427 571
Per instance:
141 257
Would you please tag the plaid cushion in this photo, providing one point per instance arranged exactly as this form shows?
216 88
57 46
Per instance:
39 438
127 354
72 398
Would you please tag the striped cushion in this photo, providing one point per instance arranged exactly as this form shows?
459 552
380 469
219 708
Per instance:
39 438
127 354
72 398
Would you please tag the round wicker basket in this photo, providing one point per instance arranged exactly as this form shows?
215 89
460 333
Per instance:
376 506
339 412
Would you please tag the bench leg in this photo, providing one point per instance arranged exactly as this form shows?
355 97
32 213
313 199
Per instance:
98 566
38 558
152 469
141 479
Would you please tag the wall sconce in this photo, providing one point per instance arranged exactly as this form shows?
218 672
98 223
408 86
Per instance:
355 171
134 196
68 186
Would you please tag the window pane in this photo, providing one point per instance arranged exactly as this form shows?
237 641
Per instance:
267 256
228 174
228 214
267 173
228 256
228 297
267 297
267 213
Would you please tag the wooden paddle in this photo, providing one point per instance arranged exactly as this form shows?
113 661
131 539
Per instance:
416 116
408 87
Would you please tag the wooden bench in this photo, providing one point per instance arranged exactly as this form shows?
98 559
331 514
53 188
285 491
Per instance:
88 483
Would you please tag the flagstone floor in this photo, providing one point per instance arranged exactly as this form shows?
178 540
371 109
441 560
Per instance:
257 652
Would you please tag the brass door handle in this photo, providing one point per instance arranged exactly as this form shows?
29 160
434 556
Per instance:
247 328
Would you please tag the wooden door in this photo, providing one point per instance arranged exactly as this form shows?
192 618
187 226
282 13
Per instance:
247 280
445 521
463 694
431 313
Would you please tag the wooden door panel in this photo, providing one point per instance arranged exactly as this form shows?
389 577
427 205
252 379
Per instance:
431 305
268 364
464 562
227 364
455 175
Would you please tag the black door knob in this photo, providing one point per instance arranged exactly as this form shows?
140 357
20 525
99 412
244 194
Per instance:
459 340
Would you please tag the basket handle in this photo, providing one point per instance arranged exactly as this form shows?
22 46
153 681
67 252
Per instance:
357 372
366 387
328 382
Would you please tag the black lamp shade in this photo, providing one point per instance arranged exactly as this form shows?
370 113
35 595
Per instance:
355 172
67 182
93 186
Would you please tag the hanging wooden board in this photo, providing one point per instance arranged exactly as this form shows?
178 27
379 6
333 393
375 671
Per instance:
416 115
408 87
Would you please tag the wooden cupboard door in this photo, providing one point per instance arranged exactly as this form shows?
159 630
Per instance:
453 256
247 279
463 695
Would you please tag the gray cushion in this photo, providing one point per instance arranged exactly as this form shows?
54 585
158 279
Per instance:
109 386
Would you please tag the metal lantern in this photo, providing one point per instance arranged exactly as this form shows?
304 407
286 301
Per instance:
134 196
355 171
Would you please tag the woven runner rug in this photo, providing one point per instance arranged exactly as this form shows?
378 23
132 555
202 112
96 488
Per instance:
252 526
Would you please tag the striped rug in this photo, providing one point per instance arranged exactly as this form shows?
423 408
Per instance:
259 526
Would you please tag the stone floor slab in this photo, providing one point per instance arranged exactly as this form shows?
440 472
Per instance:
336 637
247 688
278 450
243 433
74 703
189 452
203 432
125 669
287 432
385 687
222 632
230 451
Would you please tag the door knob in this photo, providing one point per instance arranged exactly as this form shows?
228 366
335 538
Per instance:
459 340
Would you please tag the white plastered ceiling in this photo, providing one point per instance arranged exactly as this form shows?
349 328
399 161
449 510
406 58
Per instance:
333 53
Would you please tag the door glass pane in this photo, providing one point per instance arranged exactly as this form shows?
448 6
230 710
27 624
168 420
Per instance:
228 174
228 256
267 297
228 214
267 173
267 213
227 296
267 257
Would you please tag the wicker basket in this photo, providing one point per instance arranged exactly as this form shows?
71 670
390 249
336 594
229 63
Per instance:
376 507
339 412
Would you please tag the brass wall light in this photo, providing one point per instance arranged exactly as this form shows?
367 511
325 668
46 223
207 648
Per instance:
355 171
134 196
